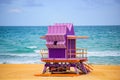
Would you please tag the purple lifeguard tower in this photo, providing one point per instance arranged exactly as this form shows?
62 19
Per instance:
61 52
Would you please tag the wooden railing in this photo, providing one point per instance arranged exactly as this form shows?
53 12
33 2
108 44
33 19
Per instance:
80 53
44 53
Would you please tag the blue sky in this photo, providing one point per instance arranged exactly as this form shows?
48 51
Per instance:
47 12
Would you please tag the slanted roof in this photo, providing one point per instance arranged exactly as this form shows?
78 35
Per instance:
56 29
61 29
69 28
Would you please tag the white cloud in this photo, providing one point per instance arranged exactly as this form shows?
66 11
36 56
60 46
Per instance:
34 3
15 10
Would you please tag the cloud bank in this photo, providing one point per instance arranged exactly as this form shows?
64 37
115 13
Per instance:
15 10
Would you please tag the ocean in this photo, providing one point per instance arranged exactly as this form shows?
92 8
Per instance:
21 44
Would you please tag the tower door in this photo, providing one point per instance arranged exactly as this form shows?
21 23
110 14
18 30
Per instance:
71 48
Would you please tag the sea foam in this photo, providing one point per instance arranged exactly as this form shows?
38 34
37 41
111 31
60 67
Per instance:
104 53
37 51
32 47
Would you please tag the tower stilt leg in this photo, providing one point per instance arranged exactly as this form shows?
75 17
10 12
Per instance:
83 68
44 70
77 72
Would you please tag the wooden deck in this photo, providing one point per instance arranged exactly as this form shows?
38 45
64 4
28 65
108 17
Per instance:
64 59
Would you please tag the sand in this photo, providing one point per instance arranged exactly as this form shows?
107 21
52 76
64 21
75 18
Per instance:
28 72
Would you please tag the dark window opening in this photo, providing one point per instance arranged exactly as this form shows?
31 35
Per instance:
55 43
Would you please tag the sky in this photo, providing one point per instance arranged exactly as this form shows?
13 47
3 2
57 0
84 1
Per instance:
47 12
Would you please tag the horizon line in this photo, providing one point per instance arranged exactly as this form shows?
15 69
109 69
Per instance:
49 25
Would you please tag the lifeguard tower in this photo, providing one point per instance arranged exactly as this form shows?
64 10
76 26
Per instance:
61 52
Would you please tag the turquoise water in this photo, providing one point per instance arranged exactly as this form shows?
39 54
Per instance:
21 44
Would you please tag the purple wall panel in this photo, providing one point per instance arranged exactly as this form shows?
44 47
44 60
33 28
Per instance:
56 53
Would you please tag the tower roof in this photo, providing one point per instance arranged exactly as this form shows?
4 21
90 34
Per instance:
61 29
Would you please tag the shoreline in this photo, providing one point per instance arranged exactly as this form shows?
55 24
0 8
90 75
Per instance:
42 63
28 71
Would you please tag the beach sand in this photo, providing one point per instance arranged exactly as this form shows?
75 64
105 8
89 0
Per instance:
28 72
